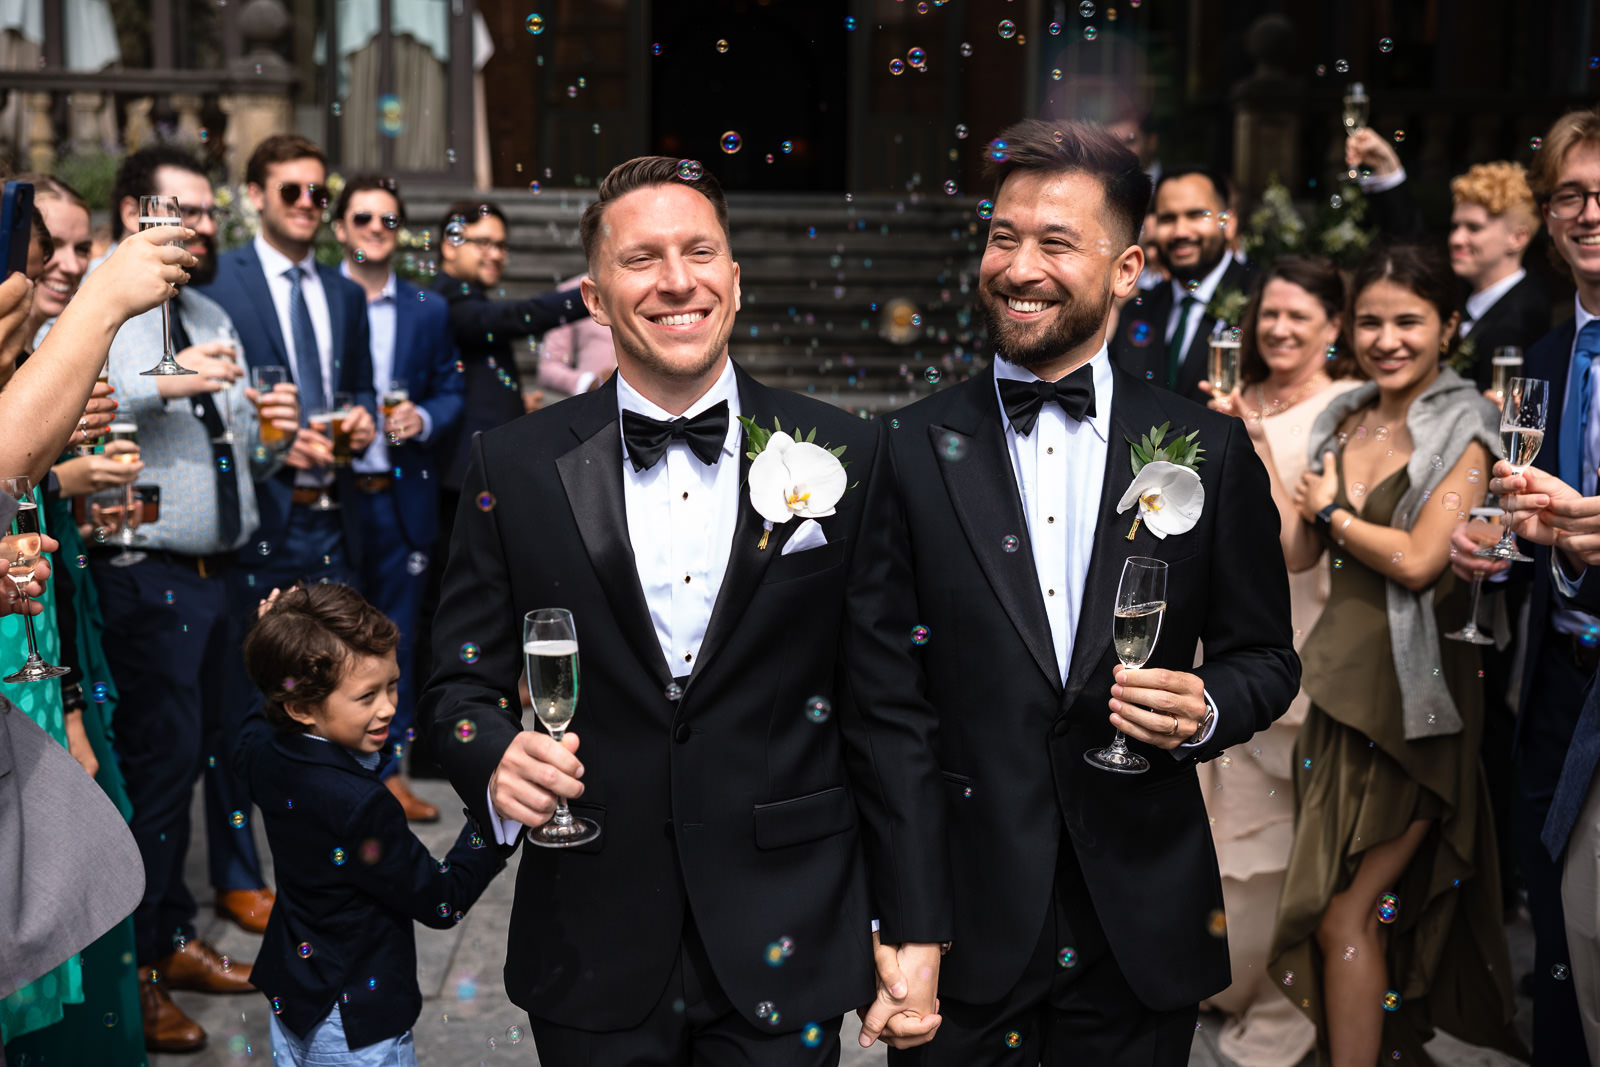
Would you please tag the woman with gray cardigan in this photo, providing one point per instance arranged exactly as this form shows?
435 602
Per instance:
1389 922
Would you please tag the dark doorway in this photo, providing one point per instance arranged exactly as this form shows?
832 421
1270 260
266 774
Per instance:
780 82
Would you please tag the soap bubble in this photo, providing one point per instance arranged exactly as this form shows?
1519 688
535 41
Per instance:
1386 46
469 653
966 48
933 374
466 730
1391 1001
961 132
1067 957
1536 143
1388 908
1013 1040
920 634
674 691
731 142
535 24
896 67
1288 978
818 709
1009 543
1008 29
304 950
1086 9
1090 33
1217 923
1559 972
722 46
1350 953
1342 66
455 231
237 820
917 57
416 564
950 188
811 1035
986 209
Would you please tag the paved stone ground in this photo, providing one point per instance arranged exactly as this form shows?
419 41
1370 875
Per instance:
468 1022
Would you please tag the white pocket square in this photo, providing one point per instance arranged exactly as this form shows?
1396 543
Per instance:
807 535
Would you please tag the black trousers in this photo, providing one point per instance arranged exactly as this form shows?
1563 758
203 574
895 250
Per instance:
1555 699
693 1024
1071 1007
172 639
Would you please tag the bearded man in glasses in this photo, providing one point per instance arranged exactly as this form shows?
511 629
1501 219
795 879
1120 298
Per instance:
420 389
291 312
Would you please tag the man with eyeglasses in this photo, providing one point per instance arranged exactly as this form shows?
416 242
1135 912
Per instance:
177 632
396 481
291 312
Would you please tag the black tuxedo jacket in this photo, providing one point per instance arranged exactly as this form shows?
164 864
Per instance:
725 800
1012 739
1140 344
1520 317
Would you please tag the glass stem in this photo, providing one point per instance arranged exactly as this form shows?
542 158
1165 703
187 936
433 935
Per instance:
1119 744
166 332
27 623
1472 614
562 817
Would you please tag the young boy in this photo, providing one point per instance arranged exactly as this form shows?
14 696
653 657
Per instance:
338 960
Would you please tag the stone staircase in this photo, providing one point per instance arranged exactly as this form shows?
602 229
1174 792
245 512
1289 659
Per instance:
864 301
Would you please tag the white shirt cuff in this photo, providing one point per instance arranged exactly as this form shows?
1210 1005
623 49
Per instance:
1566 584
874 925
505 830
1382 183
427 423
1202 737
585 380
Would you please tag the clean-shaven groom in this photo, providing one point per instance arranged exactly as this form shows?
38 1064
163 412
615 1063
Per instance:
1089 918
754 746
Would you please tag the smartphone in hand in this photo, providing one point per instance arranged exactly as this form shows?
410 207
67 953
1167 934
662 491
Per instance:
16 225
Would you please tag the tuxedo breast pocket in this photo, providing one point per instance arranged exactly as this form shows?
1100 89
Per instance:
806 562
806 818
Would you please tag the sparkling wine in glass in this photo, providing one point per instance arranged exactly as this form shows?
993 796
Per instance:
1483 528
1522 422
163 211
90 445
1507 363
1356 106
124 520
1224 364
1135 626
550 646
20 551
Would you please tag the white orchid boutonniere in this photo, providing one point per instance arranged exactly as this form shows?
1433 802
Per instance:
791 475
1165 484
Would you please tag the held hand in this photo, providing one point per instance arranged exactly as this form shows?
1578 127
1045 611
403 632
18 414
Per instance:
1316 491
533 401
82 475
98 413
1576 520
282 408
310 450
1525 498
905 1012
11 602
404 423
144 271
1365 148
1159 707
534 771
1497 399
1465 564
215 369
361 428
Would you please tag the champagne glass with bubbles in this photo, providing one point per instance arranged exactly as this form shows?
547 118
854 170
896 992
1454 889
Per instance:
1521 435
163 211
550 645
1135 625
1484 530
20 550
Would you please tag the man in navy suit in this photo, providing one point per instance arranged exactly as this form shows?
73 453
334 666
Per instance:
292 312
396 482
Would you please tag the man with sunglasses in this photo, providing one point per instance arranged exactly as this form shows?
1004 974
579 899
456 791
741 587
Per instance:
291 312
396 482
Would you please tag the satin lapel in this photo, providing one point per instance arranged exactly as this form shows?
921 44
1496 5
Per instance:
983 489
254 284
746 563
1133 414
591 473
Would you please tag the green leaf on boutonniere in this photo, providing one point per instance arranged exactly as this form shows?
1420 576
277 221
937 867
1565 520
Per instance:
1184 451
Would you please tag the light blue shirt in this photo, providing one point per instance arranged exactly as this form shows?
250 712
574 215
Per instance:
382 319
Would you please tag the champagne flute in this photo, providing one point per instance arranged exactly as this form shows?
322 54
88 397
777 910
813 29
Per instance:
126 430
1484 529
550 645
89 446
1224 363
1135 625
1522 422
1507 363
163 211
21 551
1354 115
265 380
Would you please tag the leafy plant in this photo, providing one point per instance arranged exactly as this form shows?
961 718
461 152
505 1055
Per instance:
91 172
1182 451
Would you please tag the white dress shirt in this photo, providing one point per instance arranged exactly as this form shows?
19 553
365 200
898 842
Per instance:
275 264
681 515
1203 294
1060 468
1480 302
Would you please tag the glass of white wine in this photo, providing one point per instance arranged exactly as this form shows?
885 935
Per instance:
1135 625
1224 369
1484 529
163 211
1522 421
550 646
20 550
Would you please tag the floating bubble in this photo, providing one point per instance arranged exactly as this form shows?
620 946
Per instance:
277 1006
849 22
1391 1001
469 653
896 67
1288 978
999 151
1342 66
1399 137
1322 70
1217 923
1086 9
1013 1040
986 209
1090 33
237 820
1388 908
1474 476
655 49
1386 46
818 709
966 48
731 142
514 1035
1358 490
1397 557
674 691
765 1010
416 564
920 634
1067 957
1536 143
1010 543
961 131
1350 953
722 46
455 232
466 730
1055 75
1008 29
1450 501
101 691
1560 972
811 1035
304 950
786 147
950 188
933 374
774 955
690 170
535 24
1054 29
917 57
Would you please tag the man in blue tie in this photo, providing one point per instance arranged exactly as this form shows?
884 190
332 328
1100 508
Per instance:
291 312
417 373
1558 733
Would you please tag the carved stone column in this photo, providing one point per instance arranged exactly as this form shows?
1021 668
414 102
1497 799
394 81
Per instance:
39 140
1268 106
84 120
138 132
259 102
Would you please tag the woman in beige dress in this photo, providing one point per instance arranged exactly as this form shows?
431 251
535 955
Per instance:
1294 359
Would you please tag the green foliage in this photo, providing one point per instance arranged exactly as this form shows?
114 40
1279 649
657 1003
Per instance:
91 172
1337 227
1182 451
757 437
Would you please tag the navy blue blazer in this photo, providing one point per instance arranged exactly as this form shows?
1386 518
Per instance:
1549 359
351 879
425 358
241 288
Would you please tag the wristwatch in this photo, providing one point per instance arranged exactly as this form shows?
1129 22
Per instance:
1325 518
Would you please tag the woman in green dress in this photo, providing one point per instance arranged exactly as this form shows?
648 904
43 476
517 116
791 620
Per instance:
1389 921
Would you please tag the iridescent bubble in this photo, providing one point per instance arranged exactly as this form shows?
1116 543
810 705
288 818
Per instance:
818 709
1090 33
1474 476
1386 46
961 132
933 374
1054 29
1009 543
1450 501
690 170
811 1035
953 447
101 691
237 820
264 548
986 209
896 67
466 730
1008 29
773 955
1358 490
1350 953
1559 972
674 691
277 1006
1342 66
920 634
485 501
416 564
1055 75
1336 201
1388 908
338 856
304 950
535 24
731 142
1536 143
372 982
1067 957
1322 70
1288 978
966 48
950 188
109 1019
455 232
786 147
1391 1001
1086 9
917 57
655 49
469 653
514 1035
999 151
1217 923
849 22
1399 137
722 46
765 1010
1013 1039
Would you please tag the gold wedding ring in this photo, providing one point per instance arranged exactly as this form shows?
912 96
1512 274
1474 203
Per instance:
1174 731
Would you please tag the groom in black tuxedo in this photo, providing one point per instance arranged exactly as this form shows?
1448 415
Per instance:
1089 918
755 746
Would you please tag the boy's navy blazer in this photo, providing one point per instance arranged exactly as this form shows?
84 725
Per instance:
351 880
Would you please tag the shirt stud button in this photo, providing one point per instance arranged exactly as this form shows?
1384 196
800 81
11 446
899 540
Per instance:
1050 451
1050 520
685 579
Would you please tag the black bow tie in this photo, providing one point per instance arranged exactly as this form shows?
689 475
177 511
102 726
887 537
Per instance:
647 439
1022 400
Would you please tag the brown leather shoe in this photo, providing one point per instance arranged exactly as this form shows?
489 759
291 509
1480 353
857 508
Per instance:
250 908
166 1027
416 809
198 966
